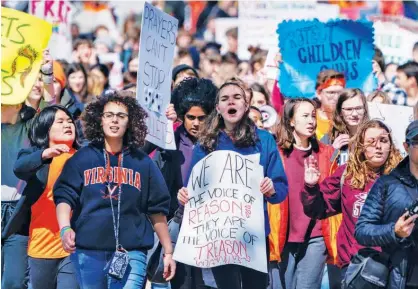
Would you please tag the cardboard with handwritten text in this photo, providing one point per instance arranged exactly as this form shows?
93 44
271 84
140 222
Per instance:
223 221
396 117
309 47
23 39
59 14
158 40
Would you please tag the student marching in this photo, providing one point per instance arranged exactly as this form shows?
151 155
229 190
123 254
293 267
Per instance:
113 133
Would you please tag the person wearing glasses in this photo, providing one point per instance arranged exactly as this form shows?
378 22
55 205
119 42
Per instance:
350 112
110 197
329 84
345 191
384 221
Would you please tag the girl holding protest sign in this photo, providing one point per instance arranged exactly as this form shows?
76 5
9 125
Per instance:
229 128
345 191
298 244
54 140
115 192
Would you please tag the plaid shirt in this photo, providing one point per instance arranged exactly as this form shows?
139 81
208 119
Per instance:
397 95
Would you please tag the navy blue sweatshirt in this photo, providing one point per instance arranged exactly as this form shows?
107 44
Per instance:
144 193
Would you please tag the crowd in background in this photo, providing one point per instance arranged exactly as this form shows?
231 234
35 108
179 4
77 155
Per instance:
321 159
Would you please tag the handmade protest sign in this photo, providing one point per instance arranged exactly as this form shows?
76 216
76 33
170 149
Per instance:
309 47
396 117
59 14
23 39
223 220
158 40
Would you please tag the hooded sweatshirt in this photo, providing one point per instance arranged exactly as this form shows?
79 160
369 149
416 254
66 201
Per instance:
82 186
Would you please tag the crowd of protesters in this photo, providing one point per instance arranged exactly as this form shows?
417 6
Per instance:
81 185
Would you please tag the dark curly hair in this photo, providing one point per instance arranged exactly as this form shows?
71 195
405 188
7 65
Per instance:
244 134
194 92
136 132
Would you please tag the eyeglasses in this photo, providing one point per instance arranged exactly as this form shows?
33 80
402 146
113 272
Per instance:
200 118
110 115
413 144
350 110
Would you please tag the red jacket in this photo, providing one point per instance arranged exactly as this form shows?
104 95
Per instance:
279 215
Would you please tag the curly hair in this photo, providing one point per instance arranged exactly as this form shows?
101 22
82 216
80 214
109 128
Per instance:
194 92
136 132
357 168
244 134
285 137
338 124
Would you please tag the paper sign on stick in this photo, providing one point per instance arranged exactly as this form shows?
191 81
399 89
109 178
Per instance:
158 40
223 220
309 47
23 39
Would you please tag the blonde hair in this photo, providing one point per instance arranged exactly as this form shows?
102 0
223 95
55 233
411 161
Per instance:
357 168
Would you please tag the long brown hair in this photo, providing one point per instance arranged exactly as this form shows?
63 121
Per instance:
244 134
285 136
338 124
357 168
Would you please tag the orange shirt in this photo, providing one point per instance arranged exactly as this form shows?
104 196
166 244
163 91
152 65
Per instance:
44 232
322 126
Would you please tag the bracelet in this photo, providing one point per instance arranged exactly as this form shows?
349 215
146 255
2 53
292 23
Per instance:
48 74
63 230
168 254
47 78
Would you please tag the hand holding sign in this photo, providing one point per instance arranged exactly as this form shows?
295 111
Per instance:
183 196
267 188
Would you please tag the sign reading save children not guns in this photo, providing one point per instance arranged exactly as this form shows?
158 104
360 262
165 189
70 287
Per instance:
309 47
158 40
23 39
223 220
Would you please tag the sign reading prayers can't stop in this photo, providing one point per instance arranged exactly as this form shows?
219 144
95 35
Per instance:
223 221
157 44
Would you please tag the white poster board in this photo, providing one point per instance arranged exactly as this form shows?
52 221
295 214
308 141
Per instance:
59 13
223 220
396 117
258 20
395 41
157 43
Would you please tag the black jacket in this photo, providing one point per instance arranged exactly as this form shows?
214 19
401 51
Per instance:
385 203
169 162
29 167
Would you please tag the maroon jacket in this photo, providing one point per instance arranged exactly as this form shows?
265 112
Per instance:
328 199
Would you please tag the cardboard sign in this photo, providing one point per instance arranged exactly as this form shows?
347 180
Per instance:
396 117
257 20
223 221
158 41
59 14
23 39
309 47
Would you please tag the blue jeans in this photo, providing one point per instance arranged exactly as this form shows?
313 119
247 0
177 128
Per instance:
301 266
14 263
90 264
52 273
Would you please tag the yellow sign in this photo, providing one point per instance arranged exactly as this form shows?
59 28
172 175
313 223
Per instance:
23 39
